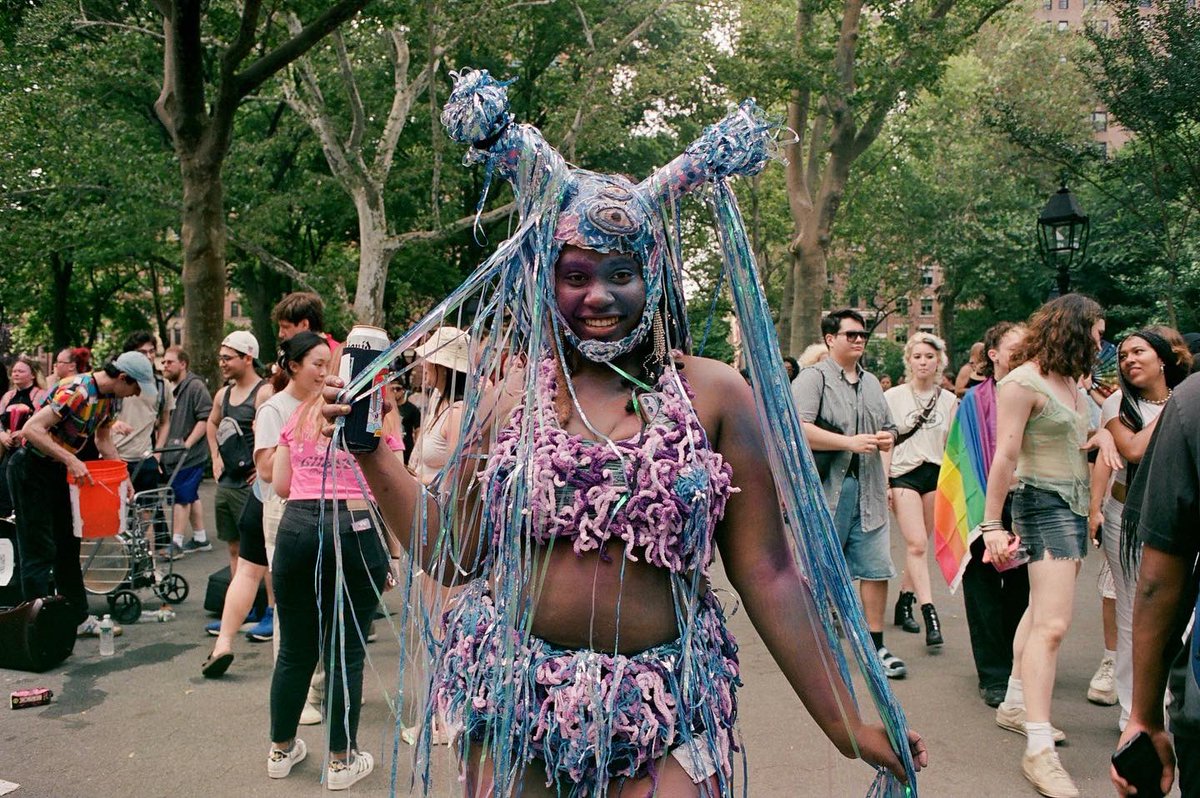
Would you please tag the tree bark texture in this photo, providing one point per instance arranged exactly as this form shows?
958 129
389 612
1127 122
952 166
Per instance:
202 132
832 133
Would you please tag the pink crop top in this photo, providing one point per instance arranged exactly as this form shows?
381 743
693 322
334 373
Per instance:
663 494
308 467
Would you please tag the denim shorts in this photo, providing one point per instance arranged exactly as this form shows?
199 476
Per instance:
1047 525
868 553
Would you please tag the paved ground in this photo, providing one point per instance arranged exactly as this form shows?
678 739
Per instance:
144 722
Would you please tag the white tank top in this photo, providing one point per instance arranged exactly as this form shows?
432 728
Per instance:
432 450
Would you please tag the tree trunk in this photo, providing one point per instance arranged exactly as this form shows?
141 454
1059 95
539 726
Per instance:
946 313
374 255
808 292
60 331
203 261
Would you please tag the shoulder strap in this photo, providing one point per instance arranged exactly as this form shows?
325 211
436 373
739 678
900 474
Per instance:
257 387
225 400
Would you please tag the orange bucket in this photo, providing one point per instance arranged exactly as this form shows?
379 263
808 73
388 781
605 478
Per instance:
99 509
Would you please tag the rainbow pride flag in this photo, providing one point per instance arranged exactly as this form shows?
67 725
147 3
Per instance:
962 482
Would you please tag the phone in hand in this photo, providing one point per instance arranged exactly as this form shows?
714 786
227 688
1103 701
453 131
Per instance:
1137 762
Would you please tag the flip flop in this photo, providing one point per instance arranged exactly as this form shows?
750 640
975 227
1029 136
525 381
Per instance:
214 668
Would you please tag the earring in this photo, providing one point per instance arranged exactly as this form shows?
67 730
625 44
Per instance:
660 338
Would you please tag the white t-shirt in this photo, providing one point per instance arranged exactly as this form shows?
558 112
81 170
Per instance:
929 442
1110 410
269 421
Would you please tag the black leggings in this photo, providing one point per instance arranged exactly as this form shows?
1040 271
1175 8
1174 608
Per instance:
306 622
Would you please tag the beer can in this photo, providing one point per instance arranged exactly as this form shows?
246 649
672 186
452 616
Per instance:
364 426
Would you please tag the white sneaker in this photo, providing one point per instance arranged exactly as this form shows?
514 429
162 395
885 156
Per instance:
280 763
343 775
1047 775
1102 689
91 628
310 715
1012 719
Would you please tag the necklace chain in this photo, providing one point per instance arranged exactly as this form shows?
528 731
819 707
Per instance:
1162 401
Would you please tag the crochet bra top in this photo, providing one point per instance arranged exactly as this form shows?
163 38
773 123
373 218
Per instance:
661 491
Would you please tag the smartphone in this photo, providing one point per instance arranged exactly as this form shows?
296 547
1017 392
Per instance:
1137 762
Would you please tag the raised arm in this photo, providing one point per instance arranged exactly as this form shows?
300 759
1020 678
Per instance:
399 493
759 562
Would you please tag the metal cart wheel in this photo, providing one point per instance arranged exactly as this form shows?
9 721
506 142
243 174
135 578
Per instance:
173 588
125 606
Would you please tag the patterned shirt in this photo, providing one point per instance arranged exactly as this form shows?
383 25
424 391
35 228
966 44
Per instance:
81 410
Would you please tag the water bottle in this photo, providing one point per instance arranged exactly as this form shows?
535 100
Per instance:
165 613
364 425
107 646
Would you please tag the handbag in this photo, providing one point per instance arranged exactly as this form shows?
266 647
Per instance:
37 635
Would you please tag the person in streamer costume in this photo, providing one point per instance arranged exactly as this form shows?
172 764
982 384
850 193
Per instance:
597 465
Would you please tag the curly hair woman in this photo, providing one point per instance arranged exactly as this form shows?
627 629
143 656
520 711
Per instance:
1152 362
1041 436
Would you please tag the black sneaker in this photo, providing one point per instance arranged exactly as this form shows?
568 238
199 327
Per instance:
196 545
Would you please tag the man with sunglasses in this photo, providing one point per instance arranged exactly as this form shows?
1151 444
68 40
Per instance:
847 423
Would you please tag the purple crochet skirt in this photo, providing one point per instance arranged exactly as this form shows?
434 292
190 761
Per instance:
590 716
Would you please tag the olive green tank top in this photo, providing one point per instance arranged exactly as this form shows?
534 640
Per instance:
1051 456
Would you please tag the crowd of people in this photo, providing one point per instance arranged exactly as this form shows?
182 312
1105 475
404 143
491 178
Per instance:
594 451
1034 410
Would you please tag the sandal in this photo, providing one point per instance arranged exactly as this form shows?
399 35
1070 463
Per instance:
215 667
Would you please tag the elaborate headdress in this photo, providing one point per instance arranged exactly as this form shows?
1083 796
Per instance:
514 319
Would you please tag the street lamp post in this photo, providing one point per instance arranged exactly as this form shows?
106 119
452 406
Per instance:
1062 235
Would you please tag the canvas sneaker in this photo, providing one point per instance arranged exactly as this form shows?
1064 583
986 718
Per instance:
197 545
1047 775
1102 689
280 763
264 630
343 775
91 628
1013 719
214 627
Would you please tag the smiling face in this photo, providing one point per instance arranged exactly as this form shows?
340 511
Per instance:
309 374
1140 364
601 296
233 363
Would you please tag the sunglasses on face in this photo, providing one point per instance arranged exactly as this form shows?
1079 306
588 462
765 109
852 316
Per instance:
855 335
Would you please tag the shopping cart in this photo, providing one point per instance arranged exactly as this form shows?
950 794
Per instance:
117 566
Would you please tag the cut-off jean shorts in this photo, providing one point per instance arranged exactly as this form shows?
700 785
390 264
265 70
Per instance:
1047 525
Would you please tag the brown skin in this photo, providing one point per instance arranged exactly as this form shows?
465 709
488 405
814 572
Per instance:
754 547
1162 583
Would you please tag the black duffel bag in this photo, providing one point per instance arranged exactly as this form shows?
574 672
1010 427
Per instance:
37 635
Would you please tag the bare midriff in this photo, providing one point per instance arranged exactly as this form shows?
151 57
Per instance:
584 597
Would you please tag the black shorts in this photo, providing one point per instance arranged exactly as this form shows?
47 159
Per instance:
253 546
923 479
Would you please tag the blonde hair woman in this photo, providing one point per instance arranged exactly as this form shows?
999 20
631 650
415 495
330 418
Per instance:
922 411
